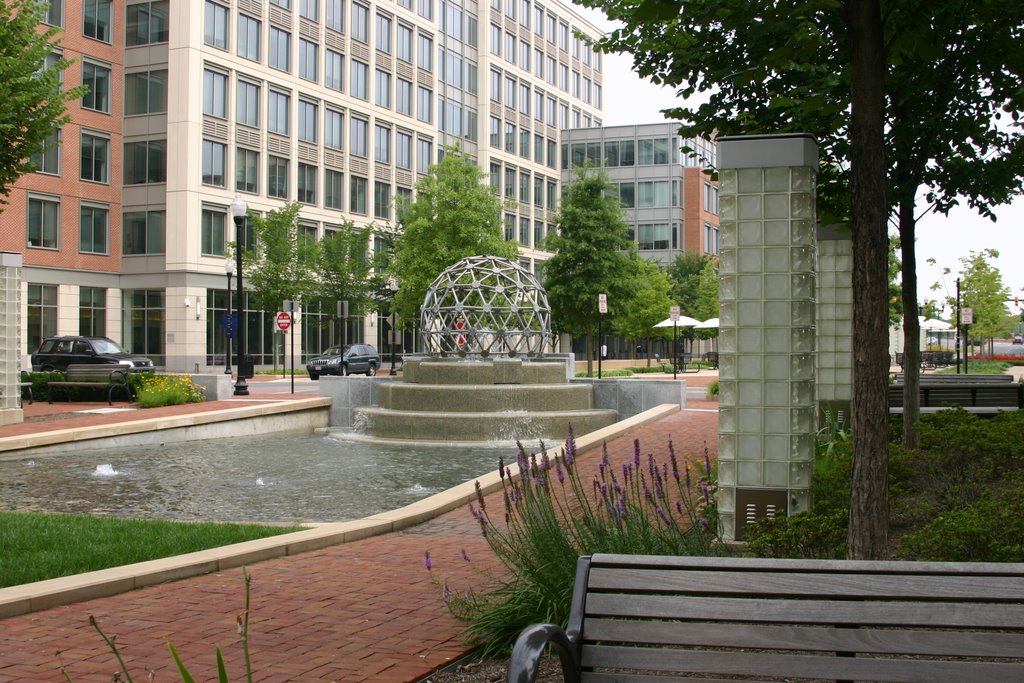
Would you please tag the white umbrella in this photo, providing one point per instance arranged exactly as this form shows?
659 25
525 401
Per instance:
709 324
936 325
684 321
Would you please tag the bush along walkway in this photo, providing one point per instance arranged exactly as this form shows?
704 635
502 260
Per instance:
363 611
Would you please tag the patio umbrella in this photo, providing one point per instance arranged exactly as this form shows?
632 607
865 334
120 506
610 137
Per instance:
684 321
709 324
935 325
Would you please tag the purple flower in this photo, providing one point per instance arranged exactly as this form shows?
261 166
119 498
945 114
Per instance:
679 506
545 462
446 593
508 473
704 523
558 471
464 555
636 452
688 482
672 459
426 561
501 468
480 496
570 449
662 515
707 460
707 493
622 506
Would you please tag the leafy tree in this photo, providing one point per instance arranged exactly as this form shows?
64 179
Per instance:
455 215
684 273
649 305
283 264
706 304
593 253
345 268
982 290
32 108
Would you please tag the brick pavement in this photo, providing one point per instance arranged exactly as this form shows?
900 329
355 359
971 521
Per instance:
362 611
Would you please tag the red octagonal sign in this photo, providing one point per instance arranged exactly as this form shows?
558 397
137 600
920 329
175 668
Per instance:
284 321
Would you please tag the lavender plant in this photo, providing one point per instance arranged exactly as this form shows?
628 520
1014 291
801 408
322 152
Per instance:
549 517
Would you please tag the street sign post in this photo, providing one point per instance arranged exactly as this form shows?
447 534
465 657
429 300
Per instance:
673 312
284 320
602 308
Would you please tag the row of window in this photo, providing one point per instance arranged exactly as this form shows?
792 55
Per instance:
520 95
523 236
618 153
547 25
646 194
43 223
534 60
541 146
96 18
542 188
41 304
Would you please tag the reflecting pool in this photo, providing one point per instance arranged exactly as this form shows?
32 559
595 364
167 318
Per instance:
280 478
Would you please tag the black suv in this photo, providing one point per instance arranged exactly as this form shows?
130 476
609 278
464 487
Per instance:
57 353
344 361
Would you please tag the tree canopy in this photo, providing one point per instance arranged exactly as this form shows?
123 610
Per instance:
593 255
283 264
32 108
649 304
982 290
455 215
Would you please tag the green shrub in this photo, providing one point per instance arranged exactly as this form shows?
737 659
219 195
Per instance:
550 518
168 390
805 535
990 530
712 389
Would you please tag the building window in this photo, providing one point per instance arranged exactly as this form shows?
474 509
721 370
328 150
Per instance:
248 37
403 97
335 12
425 8
552 154
423 155
653 151
357 195
280 48
54 13
653 236
424 104
93 228
510 227
145 162
145 92
247 104
334 126
382 144
524 143
215 26
48 160
277 177
146 23
403 150
97 78
334 70
510 137
145 308
524 232
143 232
308 9
96 15
95 157
357 82
277 107
524 187
215 86
306 185
495 132
383 91
213 236
247 170
42 313
43 222
404 48
92 311
425 56
307 121
332 189
213 163
357 142
383 33
382 200
552 195
307 60
360 22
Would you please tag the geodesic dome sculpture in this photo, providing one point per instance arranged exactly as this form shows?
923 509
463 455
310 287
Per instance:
485 306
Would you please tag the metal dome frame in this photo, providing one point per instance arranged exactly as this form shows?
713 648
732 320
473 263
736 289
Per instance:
485 306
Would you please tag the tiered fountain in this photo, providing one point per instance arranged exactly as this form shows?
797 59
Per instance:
486 326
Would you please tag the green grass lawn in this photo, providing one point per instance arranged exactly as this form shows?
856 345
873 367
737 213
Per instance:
47 546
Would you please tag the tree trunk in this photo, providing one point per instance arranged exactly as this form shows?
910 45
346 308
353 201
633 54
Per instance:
911 324
869 501
590 351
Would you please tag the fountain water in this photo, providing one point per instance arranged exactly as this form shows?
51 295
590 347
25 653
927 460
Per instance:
486 325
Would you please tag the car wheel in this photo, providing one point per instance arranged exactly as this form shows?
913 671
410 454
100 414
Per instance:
371 370
313 375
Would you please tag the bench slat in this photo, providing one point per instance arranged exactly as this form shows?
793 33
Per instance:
618 677
810 638
841 585
805 666
781 611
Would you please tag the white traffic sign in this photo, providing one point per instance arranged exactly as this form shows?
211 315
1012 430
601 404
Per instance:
284 320
967 316
673 313
602 303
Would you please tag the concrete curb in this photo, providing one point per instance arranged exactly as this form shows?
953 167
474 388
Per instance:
42 595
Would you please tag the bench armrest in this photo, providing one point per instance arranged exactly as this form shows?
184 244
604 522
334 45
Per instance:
530 647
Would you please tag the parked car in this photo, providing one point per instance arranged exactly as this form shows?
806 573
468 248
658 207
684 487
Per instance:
345 360
1018 339
57 353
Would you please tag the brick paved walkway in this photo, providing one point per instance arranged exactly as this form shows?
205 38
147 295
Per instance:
363 611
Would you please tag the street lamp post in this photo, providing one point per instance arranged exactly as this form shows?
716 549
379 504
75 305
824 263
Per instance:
229 270
238 210
393 286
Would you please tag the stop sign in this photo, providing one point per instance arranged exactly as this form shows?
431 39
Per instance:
284 321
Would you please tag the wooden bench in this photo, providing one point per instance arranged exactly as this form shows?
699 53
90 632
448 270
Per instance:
109 377
634 617
983 398
683 360
957 379
711 358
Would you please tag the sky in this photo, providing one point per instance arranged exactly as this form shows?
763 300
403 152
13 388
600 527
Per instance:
631 100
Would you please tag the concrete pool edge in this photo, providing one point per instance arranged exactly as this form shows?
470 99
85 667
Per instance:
33 597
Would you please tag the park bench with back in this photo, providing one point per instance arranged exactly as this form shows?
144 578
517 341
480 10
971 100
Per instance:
93 376
981 396
636 617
